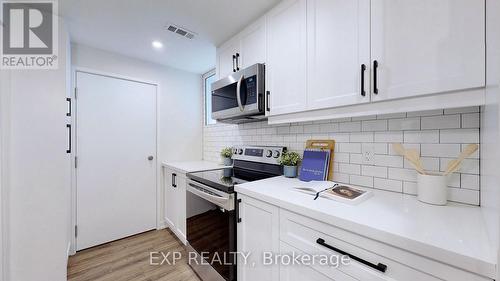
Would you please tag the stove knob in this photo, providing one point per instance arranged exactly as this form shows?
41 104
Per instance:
269 153
240 151
276 154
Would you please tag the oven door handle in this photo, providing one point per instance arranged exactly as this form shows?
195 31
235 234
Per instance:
238 93
225 202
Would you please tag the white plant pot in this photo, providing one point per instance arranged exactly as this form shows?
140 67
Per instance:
432 188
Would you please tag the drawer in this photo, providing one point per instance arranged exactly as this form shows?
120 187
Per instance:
308 272
303 233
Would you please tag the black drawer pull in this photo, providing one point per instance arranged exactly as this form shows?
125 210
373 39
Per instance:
174 180
363 68
375 68
69 107
380 267
238 61
238 202
268 108
234 59
69 138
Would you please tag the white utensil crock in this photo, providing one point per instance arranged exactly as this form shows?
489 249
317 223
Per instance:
432 188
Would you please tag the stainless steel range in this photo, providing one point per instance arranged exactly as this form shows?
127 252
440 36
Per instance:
211 223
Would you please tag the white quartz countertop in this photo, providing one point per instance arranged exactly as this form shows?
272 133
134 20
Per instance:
193 166
454 234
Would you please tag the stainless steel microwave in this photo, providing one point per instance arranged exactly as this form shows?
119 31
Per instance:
240 97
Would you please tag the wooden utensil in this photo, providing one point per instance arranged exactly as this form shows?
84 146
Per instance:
411 155
454 165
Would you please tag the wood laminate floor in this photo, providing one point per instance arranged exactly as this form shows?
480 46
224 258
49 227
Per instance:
128 259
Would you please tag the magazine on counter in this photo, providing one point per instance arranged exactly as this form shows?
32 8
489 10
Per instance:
334 191
315 165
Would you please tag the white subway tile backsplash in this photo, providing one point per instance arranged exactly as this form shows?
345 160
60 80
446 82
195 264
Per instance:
440 150
402 174
441 122
374 171
438 135
404 124
428 136
350 126
470 120
389 136
361 180
374 125
361 137
389 185
459 136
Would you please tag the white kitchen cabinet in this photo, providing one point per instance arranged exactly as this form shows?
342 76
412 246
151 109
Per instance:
175 202
257 232
227 59
338 53
286 57
253 44
427 46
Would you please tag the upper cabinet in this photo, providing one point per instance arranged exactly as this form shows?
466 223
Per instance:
226 58
243 50
341 58
427 46
253 44
286 60
338 53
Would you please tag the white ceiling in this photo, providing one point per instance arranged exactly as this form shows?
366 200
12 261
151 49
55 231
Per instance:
129 26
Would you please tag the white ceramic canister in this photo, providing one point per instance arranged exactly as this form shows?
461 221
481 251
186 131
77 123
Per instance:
432 188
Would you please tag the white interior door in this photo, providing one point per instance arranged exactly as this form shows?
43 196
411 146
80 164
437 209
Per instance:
116 133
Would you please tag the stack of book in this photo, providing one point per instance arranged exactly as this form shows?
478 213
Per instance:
315 165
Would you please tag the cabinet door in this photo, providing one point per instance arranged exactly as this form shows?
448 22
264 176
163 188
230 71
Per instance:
338 44
225 62
427 46
170 198
258 232
253 44
286 57
181 207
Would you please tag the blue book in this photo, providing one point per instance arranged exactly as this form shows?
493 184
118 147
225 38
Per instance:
315 165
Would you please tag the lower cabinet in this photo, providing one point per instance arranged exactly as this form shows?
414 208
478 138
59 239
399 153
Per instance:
269 233
257 235
175 202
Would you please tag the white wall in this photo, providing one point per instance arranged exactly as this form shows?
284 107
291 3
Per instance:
180 104
35 172
490 153
180 101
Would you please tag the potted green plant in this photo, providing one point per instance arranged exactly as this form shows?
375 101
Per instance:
226 154
290 160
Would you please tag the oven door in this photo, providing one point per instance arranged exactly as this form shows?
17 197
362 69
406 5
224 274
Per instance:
211 231
240 94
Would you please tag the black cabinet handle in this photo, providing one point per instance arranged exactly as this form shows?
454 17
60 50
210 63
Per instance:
238 219
69 107
375 68
234 59
268 93
174 181
363 68
380 267
238 61
69 138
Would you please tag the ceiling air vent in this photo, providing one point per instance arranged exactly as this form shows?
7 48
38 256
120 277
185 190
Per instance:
180 31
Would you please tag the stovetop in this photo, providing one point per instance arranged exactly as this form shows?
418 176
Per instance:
222 179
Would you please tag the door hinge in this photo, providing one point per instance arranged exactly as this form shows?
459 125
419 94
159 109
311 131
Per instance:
76 162
76 230
76 93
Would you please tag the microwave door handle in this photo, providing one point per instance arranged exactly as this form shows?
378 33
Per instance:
238 93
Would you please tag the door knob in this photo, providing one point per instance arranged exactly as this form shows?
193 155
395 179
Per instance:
150 158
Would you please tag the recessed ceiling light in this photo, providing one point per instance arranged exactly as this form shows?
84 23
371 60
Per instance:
157 44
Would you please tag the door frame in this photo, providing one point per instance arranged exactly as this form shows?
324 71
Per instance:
160 224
